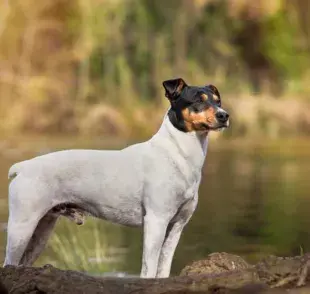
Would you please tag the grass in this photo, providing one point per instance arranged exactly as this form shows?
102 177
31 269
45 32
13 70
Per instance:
83 248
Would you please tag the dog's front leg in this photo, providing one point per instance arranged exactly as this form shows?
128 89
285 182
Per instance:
174 232
172 238
154 230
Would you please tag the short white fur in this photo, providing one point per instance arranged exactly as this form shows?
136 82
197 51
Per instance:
153 184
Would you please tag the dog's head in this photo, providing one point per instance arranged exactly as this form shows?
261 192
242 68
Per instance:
195 108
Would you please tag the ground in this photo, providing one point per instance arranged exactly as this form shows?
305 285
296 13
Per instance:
218 273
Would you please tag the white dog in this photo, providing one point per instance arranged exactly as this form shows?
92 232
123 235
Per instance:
153 184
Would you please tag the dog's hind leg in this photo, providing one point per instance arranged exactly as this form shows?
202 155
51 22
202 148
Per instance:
39 239
28 203
44 229
19 234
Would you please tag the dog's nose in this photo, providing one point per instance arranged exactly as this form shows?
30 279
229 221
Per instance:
222 116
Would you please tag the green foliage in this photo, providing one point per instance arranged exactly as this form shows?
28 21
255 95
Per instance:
75 54
281 45
85 248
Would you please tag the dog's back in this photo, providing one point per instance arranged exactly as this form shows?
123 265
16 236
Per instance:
108 184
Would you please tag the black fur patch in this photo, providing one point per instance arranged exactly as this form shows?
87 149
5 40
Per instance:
192 98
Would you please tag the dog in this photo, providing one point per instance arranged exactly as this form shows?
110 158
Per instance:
153 184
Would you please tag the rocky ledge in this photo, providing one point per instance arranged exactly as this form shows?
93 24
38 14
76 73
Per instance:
218 273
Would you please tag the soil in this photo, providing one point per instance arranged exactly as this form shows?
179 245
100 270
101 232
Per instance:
218 273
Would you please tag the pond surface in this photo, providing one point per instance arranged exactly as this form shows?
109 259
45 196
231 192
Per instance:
254 201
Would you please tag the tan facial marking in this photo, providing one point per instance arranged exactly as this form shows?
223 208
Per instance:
193 121
204 97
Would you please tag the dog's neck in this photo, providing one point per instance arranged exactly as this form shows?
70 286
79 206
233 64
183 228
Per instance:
190 145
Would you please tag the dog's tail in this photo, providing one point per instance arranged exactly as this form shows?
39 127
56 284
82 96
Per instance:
14 170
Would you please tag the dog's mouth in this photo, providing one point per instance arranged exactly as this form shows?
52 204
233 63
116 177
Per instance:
216 127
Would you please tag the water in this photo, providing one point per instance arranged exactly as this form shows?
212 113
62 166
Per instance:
254 201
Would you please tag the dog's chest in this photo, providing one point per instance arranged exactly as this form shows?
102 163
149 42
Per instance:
192 187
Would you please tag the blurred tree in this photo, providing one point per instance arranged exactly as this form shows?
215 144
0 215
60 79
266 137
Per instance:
70 55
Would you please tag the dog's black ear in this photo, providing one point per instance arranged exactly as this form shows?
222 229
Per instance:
174 88
214 90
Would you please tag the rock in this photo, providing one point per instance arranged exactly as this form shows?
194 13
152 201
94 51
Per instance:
216 263
3 289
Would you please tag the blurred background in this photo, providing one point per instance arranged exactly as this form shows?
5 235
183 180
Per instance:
88 74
